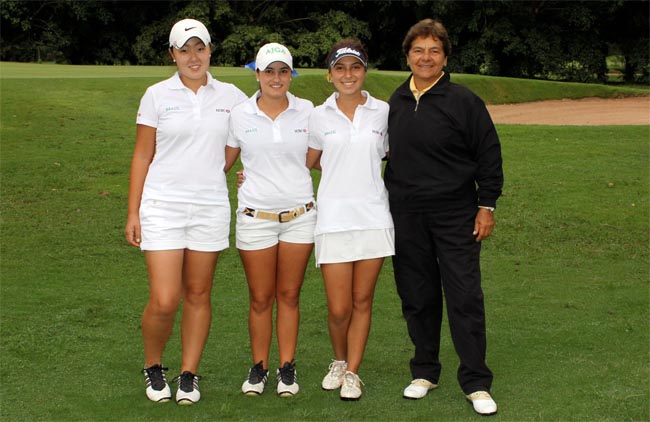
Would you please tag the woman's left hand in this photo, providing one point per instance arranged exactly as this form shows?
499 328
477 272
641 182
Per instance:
483 224
240 178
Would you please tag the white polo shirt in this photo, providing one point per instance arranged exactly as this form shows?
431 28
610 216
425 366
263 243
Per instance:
191 134
273 153
351 194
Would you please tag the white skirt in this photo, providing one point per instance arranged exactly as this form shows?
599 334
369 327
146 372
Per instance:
353 245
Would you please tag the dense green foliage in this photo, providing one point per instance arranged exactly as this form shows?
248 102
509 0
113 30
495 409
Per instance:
565 277
553 39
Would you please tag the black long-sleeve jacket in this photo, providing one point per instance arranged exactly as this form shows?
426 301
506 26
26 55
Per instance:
444 150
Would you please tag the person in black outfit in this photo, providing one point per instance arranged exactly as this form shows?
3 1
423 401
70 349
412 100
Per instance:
444 176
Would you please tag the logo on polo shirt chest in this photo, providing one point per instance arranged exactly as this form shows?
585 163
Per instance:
251 130
172 108
222 110
300 130
378 132
330 132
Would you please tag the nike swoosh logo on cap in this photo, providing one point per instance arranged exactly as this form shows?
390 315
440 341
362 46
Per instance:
187 29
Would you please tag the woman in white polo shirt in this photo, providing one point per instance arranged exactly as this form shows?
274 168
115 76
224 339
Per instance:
178 211
275 214
354 231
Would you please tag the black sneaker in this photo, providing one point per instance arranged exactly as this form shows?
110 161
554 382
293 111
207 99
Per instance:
287 380
157 388
257 377
188 388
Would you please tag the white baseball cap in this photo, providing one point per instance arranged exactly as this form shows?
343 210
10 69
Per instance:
273 52
185 29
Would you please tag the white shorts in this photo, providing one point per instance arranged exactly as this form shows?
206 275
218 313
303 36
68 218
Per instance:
354 245
179 225
255 233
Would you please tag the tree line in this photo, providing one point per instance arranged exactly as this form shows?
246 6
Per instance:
558 40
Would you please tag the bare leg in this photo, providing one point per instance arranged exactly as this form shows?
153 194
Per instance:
292 262
350 289
198 275
366 273
260 267
165 275
338 288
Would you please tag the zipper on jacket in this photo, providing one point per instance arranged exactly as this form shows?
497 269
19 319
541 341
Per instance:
417 100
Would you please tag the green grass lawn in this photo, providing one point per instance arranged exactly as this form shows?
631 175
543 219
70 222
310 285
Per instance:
565 273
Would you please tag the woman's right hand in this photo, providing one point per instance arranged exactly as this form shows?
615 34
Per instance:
132 230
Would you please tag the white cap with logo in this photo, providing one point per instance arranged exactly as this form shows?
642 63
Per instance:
347 51
273 52
185 29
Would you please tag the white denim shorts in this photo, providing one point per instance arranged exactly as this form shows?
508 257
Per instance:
255 233
179 225
354 245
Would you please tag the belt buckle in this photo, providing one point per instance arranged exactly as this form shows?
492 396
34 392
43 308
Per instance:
288 213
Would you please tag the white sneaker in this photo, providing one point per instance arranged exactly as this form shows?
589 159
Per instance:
256 380
351 388
482 402
287 380
188 388
418 388
334 378
157 388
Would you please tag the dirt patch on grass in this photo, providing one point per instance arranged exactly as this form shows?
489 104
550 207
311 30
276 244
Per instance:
582 112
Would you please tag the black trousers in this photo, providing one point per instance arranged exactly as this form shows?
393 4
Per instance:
435 252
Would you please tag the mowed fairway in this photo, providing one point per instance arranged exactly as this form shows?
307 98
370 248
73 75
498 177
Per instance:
565 274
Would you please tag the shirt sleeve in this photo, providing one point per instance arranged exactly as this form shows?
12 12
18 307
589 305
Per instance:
315 141
487 149
241 97
385 118
147 113
232 141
